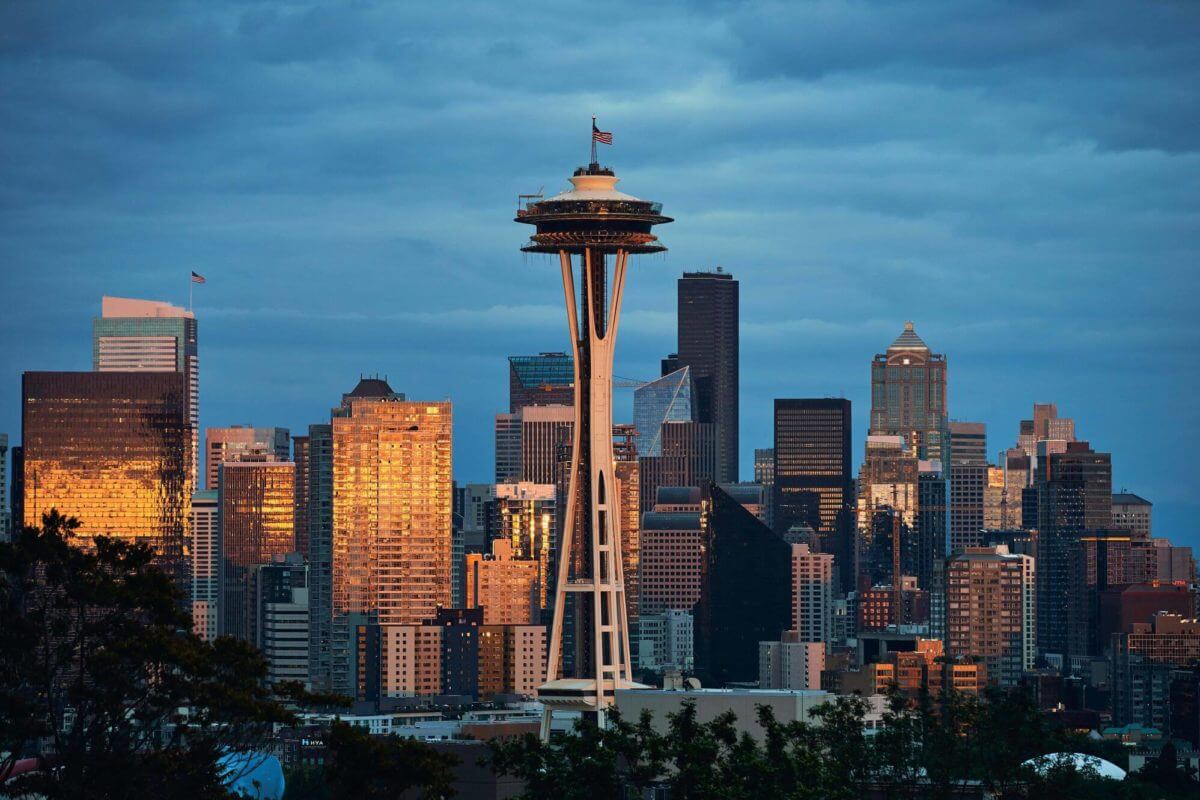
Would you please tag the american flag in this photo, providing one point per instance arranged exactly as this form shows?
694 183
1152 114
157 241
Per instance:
197 277
603 137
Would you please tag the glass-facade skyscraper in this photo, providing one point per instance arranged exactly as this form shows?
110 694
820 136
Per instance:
666 399
708 344
908 396
146 335
547 379
111 449
813 471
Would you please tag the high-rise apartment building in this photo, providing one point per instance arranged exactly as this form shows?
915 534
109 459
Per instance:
968 483
281 617
257 508
391 522
512 660
666 399
111 449
242 443
149 336
320 556
525 517
812 595
990 611
908 395
547 379
708 345
813 470
206 564
505 587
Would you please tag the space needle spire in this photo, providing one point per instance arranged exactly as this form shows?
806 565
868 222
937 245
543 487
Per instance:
593 229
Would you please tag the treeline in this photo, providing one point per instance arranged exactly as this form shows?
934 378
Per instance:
953 746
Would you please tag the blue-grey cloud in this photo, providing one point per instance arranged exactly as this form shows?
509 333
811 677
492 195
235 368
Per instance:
1019 179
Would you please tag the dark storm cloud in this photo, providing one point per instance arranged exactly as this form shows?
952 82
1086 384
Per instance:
1018 178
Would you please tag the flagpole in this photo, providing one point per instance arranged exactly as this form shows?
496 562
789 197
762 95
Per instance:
191 284
593 134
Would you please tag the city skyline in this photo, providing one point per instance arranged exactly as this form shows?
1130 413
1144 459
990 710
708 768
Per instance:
1044 248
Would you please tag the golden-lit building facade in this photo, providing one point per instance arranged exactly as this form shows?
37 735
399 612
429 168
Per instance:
629 495
512 660
112 449
391 509
506 588
257 519
526 514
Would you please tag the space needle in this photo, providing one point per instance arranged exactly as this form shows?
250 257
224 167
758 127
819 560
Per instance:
593 228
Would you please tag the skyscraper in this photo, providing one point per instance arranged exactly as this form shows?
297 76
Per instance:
111 449
708 344
968 483
5 514
281 617
257 508
813 468
525 513
1073 490
908 395
543 428
242 443
812 595
303 483
505 587
593 222
546 379
991 611
688 458
508 447
206 565
320 557
672 556
145 335
745 595
391 526
1132 513
665 399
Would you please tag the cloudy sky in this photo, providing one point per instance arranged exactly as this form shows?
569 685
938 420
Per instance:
1020 180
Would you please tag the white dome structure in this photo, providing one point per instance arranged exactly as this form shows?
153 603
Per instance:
1080 761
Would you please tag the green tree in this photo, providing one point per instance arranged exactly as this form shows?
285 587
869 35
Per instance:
102 680
365 766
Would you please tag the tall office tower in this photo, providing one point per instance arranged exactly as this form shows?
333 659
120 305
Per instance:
111 449
688 458
812 595
5 518
303 479
391 531
594 222
281 617
543 428
504 586
708 344
320 557
546 379
206 565
144 335
991 611
814 483
257 508
745 592
995 516
1144 656
666 399
1073 490
526 515
1018 471
477 499
672 553
1046 426
242 443
968 483
627 476
933 524
1132 513
908 395
508 447
764 476
887 511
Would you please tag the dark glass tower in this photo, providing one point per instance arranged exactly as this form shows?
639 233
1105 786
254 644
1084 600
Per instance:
814 481
745 592
708 343
1074 497
547 379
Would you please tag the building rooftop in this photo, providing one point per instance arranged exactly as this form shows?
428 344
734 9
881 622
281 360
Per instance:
1129 499
908 340
125 307
372 387
671 521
